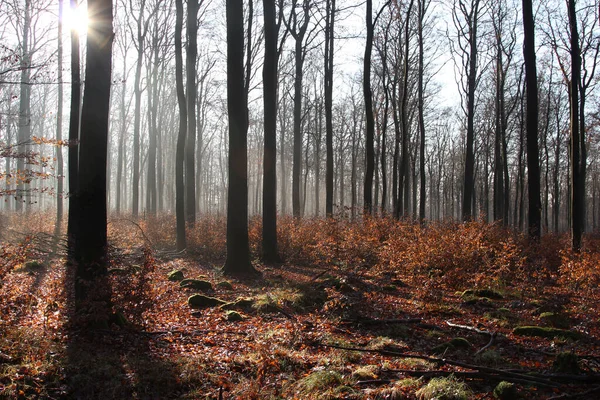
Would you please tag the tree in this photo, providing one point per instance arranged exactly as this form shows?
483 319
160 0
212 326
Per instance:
466 18
91 244
577 168
533 163
328 77
269 232
181 137
370 121
297 26
238 250
190 147
74 121
59 112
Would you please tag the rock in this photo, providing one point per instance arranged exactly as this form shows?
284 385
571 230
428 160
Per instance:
545 332
175 275
241 303
455 343
202 301
555 320
225 285
489 293
566 363
234 316
506 391
196 284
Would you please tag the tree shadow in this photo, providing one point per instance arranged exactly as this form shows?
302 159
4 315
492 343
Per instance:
109 361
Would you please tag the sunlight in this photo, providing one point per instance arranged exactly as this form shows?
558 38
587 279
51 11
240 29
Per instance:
76 19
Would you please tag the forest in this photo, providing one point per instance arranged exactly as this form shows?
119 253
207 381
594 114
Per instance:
299 199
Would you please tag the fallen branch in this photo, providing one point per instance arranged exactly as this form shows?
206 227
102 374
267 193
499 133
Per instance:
492 335
487 346
443 361
371 321
575 395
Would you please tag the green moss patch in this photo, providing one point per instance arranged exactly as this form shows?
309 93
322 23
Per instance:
202 301
30 266
446 388
489 293
225 285
555 320
545 332
567 363
240 304
455 343
196 284
234 316
506 391
175 275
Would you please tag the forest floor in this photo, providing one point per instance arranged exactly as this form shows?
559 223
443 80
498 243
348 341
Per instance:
373 310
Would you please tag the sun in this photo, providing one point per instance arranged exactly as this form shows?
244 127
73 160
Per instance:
76 19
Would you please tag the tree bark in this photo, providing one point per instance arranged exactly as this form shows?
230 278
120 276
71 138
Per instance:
238 250
181 136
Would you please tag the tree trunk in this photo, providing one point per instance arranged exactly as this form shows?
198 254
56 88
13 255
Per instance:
328 77
190 146
74 125
238 250
59 120
91 242
578 184
181 137
269 232
533 163
370 132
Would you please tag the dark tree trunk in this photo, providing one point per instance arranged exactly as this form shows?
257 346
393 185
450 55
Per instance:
181 137
578 184
74 122
370 132
469 180
24 133
533 163
190 147
328 76
269 232
422 194
59 120
238 250
90 251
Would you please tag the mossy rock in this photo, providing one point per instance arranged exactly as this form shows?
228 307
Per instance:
489 293
175 275
240 304
545 332
202 301
555 320
484 302
234 316
225 285
119 319
506 391
566 363
30 266
196 284
453 344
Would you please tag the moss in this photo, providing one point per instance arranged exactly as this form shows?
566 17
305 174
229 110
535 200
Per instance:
240 304
505 391
567 363
366 372
202 301
225 285
234 316
119 319
545 332
30 266
455 343
196 284
175 275
555 320
489 293
316 383
446 388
